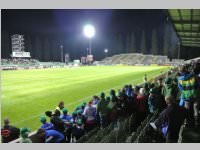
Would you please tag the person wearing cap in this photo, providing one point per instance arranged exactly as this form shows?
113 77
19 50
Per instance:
68 120
170 120
153 101
9 132
24 135
102 110
50 136
65 117
46 125
78 130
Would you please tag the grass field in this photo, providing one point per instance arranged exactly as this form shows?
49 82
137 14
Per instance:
27 94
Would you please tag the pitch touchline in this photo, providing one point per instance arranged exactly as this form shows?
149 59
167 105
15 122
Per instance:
15 123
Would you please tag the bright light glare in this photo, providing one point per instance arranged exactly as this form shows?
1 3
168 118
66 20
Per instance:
89 31
106 50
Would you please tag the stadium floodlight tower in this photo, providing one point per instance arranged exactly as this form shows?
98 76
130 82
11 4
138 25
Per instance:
89 32
106 51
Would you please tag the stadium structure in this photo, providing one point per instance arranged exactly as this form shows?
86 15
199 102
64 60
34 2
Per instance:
21 67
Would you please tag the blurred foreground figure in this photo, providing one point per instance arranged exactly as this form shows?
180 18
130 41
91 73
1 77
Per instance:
8 132
170 120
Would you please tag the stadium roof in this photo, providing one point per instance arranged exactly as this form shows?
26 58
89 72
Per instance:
187 25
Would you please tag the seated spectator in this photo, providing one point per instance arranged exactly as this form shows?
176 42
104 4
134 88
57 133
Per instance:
170 120
90 114
45 124
8 132
56 121
68 120
65 117
78 131
24 135
50 136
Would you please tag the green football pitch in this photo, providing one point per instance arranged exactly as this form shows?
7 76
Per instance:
27 94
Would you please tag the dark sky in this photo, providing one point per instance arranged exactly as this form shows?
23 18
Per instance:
65 27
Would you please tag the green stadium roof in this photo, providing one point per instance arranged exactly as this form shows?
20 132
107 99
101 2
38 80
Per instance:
187 25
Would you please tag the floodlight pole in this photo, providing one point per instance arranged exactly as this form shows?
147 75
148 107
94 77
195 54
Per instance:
61 50
90 46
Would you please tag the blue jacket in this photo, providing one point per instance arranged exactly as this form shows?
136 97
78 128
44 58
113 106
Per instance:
47 126
66 118
53 136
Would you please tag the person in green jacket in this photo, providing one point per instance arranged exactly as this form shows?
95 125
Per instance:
169 88
24 135
102 110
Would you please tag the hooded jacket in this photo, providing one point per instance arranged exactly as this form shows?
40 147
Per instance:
188 86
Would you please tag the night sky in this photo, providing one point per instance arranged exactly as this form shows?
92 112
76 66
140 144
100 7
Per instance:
46 30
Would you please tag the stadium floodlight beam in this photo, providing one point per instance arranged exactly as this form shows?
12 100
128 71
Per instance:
89 32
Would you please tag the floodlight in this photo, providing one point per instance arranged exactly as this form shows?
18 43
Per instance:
89 31
106 50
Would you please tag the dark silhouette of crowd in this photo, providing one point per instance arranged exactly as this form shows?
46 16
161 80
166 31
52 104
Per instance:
160 95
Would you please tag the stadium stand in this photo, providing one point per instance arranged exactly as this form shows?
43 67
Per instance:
13 64
136 59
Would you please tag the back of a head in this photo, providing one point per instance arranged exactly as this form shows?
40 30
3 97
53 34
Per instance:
48 113
40 132
183 69
142 91
61 104
169 99
6 122
102 95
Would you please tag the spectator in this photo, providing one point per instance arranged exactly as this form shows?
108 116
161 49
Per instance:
8 132
112 109
141 105
78 131
159 87
65 117
153 101
169 88
68 123
187 83
60 106
24 135
45 124
90 114
95 100
56 121
170 120
50 136
102 111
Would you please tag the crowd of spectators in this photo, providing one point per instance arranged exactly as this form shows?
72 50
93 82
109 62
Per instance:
102 109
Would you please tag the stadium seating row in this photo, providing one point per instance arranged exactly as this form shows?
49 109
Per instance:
135 58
